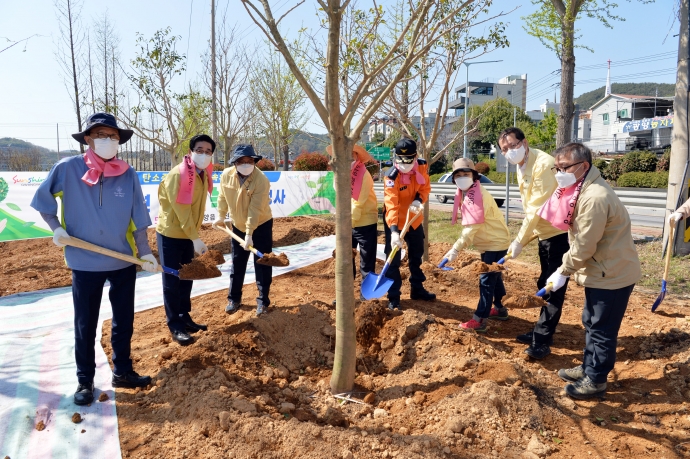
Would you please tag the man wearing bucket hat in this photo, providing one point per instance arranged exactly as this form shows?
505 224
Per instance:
406 189
483 226
243 194
182 199
537 184
102 203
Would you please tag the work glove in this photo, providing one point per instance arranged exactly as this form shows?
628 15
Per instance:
151 264
515 249
415 207
218 224
557 280
674 218
57 234
248 242
395 240
452 255
199 246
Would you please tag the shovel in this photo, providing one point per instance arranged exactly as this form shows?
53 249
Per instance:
275 262
667 263
78 243
510 255
374 286
545 290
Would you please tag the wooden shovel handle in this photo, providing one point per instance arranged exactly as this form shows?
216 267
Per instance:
80 244
238 239
669 249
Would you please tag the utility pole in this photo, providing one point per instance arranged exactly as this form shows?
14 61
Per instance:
678 167
214 114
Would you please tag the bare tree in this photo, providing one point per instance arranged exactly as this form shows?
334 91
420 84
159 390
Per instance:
108 65
69 51
279 102
22 159
233 69
346 90
151 74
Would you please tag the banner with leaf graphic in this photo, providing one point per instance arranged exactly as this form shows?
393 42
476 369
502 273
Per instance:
291 194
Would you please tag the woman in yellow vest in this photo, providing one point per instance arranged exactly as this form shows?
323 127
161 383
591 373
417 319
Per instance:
244 195
182 198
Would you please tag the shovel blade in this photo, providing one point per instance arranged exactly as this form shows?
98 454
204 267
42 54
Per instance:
167 270
374 286
661 296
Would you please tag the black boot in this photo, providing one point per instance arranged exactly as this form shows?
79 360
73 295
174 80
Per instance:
191 326
84 394
131 379
422 294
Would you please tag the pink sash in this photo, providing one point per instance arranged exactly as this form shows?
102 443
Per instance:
472 210
98 166
187 179
357 172
405 177
560 207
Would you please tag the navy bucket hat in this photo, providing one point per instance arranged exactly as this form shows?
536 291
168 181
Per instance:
102 119
244 150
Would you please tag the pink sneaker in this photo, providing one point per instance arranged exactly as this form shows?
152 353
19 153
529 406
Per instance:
474 325
498 314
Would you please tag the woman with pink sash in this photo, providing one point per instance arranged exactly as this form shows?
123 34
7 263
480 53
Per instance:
483 227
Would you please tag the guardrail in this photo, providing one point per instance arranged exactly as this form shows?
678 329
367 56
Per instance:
636 197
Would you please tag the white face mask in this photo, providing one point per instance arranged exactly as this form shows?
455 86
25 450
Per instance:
245 169
515 156
201 160
565 179
464 183
405 168
105 148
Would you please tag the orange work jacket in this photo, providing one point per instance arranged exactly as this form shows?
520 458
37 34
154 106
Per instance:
398 197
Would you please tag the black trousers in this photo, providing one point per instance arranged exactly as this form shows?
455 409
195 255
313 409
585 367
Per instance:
415 251
365 237
263 242
87 291
551 253
176 292
602 317
491 287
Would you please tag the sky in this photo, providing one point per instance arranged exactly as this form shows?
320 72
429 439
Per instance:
34 102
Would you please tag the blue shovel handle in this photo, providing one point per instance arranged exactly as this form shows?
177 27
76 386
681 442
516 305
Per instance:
167 270
443 266
545 290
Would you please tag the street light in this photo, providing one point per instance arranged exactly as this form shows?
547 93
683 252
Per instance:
467 101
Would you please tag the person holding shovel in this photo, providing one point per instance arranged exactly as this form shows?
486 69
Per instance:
182 199
243 195
483 226
406 189
602 257
364 212
537 184
102 203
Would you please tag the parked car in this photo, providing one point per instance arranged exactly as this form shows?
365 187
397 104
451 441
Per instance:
448 178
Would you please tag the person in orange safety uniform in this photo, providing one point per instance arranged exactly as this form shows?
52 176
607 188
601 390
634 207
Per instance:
406 189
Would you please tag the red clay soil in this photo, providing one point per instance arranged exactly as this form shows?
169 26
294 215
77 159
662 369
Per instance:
37 264
203 267
271 259
259 387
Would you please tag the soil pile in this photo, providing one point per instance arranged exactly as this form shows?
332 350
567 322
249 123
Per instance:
203 267
271 259
523 301
369 318
38 264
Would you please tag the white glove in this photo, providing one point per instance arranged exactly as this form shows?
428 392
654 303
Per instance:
675 217
557 280
515 249
199 246
248 242
219 224
151 264
57 234
395 240
452 255
415 207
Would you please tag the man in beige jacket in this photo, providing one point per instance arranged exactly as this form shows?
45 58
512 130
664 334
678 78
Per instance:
602 257
537 184
244 195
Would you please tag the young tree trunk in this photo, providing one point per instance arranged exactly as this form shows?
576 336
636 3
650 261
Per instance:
565 118
343 377
74 69
286 155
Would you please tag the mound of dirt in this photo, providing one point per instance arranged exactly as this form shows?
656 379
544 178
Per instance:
369 317
271 259
295 230
203 267
523 301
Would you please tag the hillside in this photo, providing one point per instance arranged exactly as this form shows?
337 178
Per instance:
588 99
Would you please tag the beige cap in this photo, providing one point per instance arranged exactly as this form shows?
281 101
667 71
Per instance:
463 164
